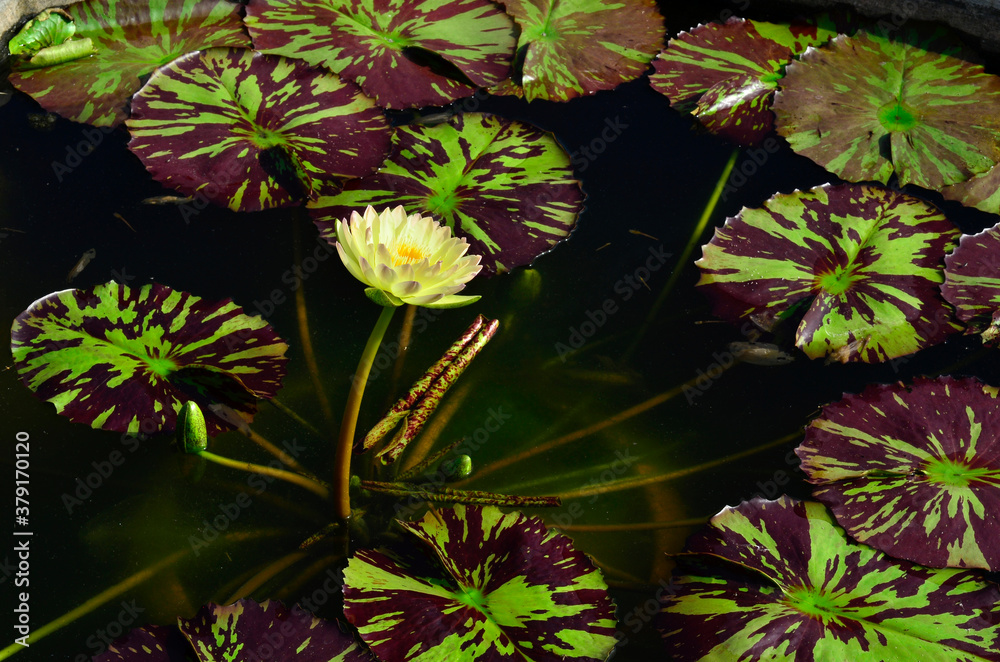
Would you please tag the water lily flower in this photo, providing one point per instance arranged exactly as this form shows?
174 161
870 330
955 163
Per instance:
406 259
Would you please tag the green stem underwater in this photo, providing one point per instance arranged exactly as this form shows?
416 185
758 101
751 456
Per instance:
345 442
296 479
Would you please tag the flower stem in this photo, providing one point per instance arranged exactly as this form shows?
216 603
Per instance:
302 481
345 443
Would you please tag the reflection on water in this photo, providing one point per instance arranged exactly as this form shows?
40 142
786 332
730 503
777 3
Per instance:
564 372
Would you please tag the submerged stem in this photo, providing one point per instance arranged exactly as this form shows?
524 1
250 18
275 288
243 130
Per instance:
305 337
682 261
313 486
345 442
641 481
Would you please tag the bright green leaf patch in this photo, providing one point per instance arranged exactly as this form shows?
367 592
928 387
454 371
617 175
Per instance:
505 186
569 48
252 131
126 359
499 587
913 470
778 580
403 53
132 38
865 261
866 106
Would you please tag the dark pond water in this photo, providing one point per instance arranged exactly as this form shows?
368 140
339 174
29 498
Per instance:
646 187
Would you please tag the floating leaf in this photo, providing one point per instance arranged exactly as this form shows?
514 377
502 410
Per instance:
981 192
126 359
867 261
913 470
972 282
392 48
868 106
778 580
568 48
244 630
502 587
252 131
132 38
505 186
726 74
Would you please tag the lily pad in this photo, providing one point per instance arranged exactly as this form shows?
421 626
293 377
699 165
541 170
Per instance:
244 630
864 260
132 38
866 107
569 48
126 359
403 53
499 587
726 74
981 192
778 580
505 186
913 470
972 282
251 131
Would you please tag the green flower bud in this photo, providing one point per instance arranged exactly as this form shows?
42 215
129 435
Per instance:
456 468
192 433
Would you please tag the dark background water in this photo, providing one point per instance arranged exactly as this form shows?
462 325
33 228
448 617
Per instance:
654 177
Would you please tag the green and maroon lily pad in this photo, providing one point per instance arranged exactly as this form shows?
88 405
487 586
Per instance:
726 74
864 261
132 39
913 470
251 131
244 630
778 580
403 53
865 107
503 185
972 282
126 359
569 48
981 192
495 587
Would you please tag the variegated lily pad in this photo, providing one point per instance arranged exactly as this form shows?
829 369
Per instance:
251 131
499 587
779 581
726 74
505 186
132 38
569 48
388 46
972 282
244 630
866 107
866 261
126 359
913 470
981 192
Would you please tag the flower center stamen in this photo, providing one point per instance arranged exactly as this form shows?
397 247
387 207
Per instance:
407 254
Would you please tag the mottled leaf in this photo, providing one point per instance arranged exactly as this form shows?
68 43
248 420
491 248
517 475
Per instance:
972 282
132 38
779 581
569 48
865 260
126 359
251 131
981 191
726 74
498 587
913 470
505 186
866 107
403 53
246 630
153 643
